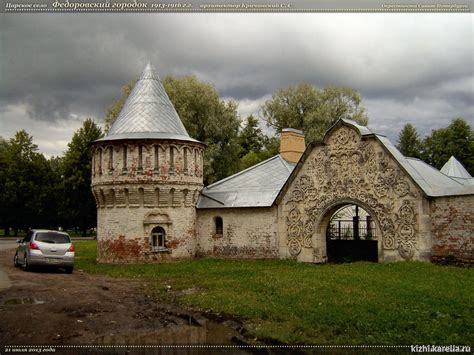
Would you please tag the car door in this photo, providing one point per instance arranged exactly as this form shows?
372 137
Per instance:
24 245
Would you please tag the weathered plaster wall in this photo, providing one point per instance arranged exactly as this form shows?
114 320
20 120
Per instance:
124 233
247 233
452 228
350 169
141 185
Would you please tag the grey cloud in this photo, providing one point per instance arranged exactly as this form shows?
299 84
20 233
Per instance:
63 64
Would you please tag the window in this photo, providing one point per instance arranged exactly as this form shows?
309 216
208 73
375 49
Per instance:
111 158
185 159
140 158
157 160
171 160
124 158
158 239
196 164
28 237
219 225
100 161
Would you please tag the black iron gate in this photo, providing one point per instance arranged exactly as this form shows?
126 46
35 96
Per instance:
352 239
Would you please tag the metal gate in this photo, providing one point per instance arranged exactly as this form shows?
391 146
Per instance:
351 239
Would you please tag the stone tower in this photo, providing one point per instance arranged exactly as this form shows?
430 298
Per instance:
146 179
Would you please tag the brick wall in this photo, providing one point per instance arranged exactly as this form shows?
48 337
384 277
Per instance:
452 229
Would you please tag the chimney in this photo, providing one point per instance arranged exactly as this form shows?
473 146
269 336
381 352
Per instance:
292 145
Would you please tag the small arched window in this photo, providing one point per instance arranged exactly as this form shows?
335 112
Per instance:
219 225
111 158
100 161
171 160
158 238
185 160
124 158
157 160
140 158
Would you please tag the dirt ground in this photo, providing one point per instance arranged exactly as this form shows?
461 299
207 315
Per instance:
49 307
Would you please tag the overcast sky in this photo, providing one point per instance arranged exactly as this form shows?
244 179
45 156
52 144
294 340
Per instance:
58 69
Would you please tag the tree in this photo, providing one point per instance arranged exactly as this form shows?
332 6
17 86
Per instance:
210 120
255 146
251 137
25 175
311 110
4 147
409 142
114 109
76 172
455 140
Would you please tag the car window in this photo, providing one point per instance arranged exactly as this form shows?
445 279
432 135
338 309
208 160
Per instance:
51 237
28 237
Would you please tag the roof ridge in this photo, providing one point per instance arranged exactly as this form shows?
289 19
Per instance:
285 163
432 167
241 172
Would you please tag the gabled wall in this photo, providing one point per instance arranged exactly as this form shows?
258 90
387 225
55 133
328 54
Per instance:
352 169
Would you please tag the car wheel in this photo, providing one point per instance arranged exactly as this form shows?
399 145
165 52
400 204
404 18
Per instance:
15 260
25 264
69 270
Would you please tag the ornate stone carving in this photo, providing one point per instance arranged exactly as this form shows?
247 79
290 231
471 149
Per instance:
347 170
406 220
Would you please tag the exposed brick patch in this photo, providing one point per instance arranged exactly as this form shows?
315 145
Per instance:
452 230
119 250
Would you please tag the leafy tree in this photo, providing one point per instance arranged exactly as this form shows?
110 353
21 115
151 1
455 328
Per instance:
311 110
4 147
255 146
456 140
76 171
25 175
251 137
409 142
208 119
114 109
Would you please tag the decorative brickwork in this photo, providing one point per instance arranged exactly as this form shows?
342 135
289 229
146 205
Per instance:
139 185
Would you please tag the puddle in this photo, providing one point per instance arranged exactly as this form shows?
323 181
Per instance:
211 333
28 300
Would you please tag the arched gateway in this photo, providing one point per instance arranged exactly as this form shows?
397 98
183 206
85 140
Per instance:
353 166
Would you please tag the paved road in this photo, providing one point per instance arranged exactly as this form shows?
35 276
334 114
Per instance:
4 280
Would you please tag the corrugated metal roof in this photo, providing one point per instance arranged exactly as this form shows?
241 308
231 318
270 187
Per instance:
148 112
257 186
454 168
260 185
430 180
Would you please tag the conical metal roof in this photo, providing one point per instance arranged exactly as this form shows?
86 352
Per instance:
454 168
148 113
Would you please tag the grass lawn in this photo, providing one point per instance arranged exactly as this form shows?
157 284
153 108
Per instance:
361 303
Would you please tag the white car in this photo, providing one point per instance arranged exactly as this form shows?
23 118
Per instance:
45 248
